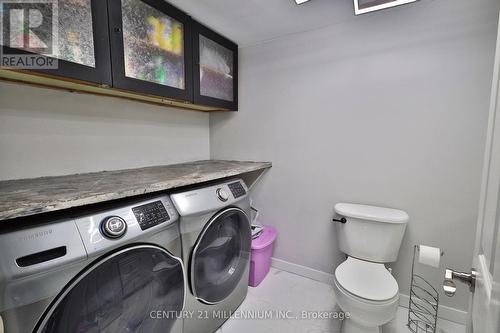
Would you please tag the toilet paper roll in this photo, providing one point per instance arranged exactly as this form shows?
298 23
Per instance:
429 255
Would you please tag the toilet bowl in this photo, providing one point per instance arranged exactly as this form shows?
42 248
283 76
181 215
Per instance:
368 293
365 289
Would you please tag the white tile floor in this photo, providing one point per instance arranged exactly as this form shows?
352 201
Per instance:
283 291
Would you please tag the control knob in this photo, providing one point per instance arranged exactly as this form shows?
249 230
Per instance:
113 227
222 195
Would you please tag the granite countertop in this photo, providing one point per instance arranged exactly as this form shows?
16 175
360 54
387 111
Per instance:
25 197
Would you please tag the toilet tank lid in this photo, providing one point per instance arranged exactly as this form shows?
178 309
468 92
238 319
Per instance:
372 213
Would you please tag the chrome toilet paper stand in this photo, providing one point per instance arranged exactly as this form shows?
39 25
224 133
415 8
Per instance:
424 302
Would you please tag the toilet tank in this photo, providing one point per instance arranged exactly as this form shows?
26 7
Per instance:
370 233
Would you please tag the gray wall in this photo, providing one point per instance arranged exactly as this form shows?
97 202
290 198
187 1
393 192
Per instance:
387 109
46 132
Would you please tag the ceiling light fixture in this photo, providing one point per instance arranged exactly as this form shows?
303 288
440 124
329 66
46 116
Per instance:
366 6
299 2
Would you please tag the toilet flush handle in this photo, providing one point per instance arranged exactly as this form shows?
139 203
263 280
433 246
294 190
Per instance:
342 220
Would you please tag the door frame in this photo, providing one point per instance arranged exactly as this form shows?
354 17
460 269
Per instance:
489 204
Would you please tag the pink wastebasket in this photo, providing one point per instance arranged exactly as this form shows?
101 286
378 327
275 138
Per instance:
260 258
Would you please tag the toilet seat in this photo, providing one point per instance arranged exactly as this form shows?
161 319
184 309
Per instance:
367 280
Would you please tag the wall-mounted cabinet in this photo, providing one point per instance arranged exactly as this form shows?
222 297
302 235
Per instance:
216 69
151 49
140 49
82 46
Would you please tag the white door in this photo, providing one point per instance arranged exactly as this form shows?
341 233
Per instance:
485 301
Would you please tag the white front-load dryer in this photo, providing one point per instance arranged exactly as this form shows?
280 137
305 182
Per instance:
216 239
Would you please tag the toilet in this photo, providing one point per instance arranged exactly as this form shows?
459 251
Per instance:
370 237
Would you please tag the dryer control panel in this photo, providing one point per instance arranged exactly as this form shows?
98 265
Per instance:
210 198
237 189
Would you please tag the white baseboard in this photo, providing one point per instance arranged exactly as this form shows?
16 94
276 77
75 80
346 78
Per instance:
304 271
445 312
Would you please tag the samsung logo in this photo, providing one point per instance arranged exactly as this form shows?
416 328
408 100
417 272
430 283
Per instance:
36 235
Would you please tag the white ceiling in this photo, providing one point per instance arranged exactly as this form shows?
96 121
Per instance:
248 22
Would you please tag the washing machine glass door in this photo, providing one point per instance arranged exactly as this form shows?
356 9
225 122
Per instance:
220 256
123 292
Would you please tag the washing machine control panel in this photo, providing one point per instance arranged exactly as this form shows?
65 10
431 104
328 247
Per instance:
126 222
151 214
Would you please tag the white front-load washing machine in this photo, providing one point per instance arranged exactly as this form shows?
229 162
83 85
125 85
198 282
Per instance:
114 270
216 239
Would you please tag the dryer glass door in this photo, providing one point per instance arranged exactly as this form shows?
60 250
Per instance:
220 257
121 293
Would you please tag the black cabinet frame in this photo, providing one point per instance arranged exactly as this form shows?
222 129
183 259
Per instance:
109 70
120 80
199 29
101 73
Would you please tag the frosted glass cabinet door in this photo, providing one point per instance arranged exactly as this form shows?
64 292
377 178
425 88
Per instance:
76 34
216 75
80 40
149 48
